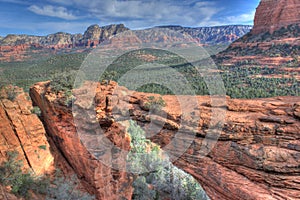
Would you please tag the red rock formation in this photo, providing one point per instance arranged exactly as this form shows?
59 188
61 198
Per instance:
14 53
99 178
256 156
276 24
22 131
273 14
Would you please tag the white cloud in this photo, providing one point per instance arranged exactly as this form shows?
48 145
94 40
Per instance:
52 11
138 14
240 19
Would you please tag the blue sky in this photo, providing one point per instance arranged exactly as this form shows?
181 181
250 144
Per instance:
42 17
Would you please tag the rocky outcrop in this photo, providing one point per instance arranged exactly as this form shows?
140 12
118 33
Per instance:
95 34
14 53
23 132
92 167
258 148
213 35
274 39
20 47
62 40
271 15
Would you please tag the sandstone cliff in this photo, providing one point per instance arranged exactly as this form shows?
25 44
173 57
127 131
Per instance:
256 156
274 39
98 176
271 15
64 40
95 34
22 131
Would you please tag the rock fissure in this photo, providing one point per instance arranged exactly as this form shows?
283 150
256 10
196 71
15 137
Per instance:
252 159
17 135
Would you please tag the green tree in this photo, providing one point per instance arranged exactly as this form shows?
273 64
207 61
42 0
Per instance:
155 176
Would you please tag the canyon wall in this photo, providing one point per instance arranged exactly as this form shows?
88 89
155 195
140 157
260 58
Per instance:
23 132
98 177
271 15
257 155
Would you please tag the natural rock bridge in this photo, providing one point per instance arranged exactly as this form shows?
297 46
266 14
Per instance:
256 157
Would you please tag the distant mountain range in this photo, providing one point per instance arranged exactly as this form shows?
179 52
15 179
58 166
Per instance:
214 35
95 35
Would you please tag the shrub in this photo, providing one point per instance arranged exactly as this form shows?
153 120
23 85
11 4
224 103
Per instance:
66 188
20 182
108 76
36 110
43 147
23 182
64 82
11 93
156 177
154 103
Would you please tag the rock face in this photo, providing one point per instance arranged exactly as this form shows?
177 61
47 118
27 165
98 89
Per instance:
265 47
214 35
22 131
21 47
99 178
274 39
62 40
257 155
271 15
95 34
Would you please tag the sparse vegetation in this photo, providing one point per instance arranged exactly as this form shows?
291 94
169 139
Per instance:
11 93
23 184
44 147
64 83
43 68
155 176
245 80
36 110
154 103
108 76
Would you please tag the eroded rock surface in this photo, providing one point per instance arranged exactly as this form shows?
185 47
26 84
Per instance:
256 156
92 165
274 14
22 131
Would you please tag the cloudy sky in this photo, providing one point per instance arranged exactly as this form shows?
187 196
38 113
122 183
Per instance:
42 17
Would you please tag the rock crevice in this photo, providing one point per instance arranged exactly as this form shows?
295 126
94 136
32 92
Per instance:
256 152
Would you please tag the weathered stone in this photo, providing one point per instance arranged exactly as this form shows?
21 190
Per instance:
86 145
257 150
22 131
271 15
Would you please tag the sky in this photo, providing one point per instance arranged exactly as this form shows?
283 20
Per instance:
43 17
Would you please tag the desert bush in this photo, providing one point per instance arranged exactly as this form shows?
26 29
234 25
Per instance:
154 103
64 82
108 76
66 188
36 110
22 183
155 177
